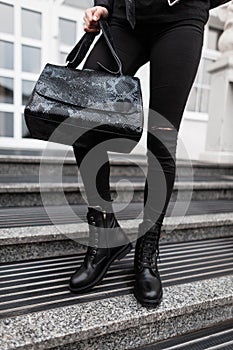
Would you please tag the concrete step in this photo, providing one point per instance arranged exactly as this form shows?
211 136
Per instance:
215 337
30 165
26 193
121 165
33 233
37 311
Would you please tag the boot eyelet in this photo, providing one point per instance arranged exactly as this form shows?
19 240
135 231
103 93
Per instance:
94 252
92 217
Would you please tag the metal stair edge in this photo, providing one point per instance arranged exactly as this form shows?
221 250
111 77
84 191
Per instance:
121 186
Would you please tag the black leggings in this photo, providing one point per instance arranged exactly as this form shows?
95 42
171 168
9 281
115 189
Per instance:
174 51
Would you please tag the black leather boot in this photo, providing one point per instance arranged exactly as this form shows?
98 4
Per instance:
148 287
104 247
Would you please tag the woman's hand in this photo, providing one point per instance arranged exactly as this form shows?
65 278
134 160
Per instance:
92 16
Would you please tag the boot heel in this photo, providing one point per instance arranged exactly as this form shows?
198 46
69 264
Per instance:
125 252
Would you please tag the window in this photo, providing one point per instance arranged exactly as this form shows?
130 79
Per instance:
199 96
67 37
26 41
6 54
31 59
192 99
31 24
67 30
25 131
6 18
27 87
206 75
6 90
204 100
198 100
213 37
6 124
63 56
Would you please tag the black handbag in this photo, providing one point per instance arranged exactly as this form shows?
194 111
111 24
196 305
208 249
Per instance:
86 107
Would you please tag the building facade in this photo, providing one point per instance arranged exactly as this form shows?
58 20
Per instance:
34 32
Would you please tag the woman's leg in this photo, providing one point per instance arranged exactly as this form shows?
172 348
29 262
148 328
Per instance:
97 187
132 55
98 257
174 60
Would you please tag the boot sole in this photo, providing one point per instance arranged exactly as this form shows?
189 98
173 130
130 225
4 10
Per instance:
148 302
117 256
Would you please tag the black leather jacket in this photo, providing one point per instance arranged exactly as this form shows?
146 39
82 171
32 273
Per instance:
215 3
109 3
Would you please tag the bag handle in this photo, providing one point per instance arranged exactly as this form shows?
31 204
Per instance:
79 52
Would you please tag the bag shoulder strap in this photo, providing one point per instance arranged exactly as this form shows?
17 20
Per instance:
76 56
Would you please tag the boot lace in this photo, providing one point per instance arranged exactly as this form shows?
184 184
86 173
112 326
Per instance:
149 247
92 242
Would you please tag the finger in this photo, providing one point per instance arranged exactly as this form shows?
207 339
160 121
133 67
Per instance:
89 14
90 22
92 16
97 14
91 30
91 25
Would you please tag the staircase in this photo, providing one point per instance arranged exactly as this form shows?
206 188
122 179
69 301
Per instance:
37 311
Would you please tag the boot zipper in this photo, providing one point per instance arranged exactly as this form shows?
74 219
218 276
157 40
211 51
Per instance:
105 225
104 217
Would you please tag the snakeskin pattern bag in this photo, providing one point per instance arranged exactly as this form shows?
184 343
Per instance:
86 107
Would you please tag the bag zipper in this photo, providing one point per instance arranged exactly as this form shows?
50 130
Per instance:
104 217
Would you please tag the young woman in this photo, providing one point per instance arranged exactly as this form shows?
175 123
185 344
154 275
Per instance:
171 39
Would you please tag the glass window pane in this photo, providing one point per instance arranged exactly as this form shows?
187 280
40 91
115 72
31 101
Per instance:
67 30
197 77
204 100
6 90
27 87
31 24
63 56
206 76
213 36
25 131
191 103
6 54
6 18
6 124
31 59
